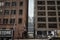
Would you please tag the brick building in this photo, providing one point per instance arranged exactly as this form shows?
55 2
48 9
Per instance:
13 15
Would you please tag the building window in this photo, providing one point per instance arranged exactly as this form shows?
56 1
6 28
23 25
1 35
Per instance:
13 3
59 25
5 21
41 13
51 13
1 12
41 2
41 7
20 20
41 25
59 13
21 3
1 3
20 12
59 19
7 3
58 7
12 21
41 19
6 12
13 12
52 19
51 8
52 25
50 2
0 21
49 33
58 2
3 28
39 32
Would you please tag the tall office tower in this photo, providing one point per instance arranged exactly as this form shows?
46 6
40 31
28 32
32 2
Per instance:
30 27
13 15
47 17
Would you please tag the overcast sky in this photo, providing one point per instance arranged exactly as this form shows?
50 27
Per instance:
31 8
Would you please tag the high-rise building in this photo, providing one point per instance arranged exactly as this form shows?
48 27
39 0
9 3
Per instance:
13 15
30 27
47 17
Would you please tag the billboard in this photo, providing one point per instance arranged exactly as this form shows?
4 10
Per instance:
6 33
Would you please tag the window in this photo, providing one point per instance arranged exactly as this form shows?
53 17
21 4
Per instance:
59 25
52 19
49 32
41 25
58 7
51 8
58 2
0 12
51 13
59 13
20 20
41 19
41 13
6 12
5 21
51 2
21 3
41 2
41 8
13 3
12 21
13 12
3 28
52 25
39 32
1 3
20 12
0 21
7 3
59 19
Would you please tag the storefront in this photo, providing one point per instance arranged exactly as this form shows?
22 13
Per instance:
6 34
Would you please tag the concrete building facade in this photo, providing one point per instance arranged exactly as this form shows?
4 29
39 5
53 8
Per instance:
13 15
47 17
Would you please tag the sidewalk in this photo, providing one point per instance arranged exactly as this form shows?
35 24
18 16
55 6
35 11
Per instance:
30 39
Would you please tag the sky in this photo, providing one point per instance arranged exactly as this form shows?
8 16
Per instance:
31 8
